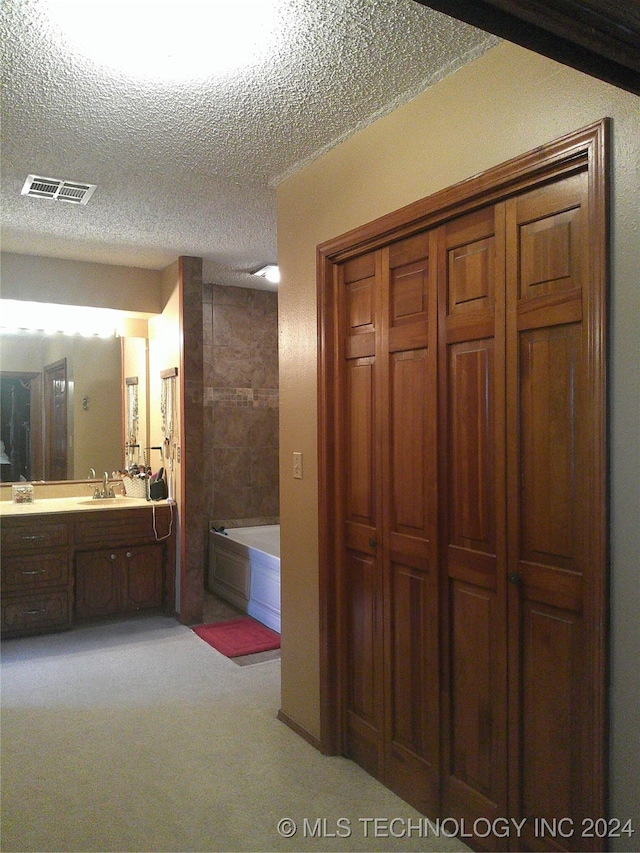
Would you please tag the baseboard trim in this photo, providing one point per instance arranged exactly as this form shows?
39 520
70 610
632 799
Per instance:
299 730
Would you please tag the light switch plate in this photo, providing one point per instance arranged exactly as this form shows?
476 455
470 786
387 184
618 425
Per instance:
297 465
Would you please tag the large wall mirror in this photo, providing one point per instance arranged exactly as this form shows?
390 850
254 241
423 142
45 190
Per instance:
62 406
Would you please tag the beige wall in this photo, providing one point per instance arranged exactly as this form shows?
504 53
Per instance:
34 279
502 105
164 353
97 429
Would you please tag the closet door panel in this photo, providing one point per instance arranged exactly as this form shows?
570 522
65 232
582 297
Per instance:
472 526
550 379
360 470
471 441
476 781
409 556
551 757
410 493
359 429
474 760
553 671
411 705
363 664
553 417
411 739
552 238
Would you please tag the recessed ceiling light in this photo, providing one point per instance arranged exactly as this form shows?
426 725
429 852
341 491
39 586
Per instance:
270 272
167 40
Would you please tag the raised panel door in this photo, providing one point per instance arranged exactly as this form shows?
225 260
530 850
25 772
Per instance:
408 404
556 649
98 582
472 518
360 476
143 577
389 486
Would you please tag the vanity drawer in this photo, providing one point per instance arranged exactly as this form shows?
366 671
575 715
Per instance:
24 537
33 571
35 612
129 527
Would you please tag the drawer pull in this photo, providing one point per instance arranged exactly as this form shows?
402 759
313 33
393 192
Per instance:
35 538
129 554
35 572
34 612
113 557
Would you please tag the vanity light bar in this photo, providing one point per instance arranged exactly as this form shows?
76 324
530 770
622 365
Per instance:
51 330
46 317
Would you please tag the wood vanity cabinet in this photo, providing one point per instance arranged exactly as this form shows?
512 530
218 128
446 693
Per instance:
37 560
75 566
121 566
118 580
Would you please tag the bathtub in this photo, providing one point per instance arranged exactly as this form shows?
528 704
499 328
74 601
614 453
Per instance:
244 569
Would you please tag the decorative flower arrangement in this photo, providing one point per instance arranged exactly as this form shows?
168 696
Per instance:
136 472
136 480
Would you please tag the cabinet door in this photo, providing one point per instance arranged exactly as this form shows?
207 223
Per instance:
142 577
98 582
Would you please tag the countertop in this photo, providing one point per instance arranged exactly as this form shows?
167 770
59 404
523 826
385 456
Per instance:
74 504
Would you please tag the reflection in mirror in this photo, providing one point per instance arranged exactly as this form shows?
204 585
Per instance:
61 406
132 421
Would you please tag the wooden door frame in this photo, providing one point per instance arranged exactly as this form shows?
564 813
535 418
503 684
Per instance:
47 370
585 149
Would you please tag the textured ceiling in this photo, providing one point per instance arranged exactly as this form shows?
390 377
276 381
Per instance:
190 168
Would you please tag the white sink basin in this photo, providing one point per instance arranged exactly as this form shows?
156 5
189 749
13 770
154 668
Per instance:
98 502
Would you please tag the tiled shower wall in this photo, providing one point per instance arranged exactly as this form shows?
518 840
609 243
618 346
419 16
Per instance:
240 361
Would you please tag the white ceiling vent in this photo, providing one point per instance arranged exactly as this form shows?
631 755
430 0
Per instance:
71 191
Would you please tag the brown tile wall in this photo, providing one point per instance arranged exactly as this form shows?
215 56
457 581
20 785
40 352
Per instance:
240 396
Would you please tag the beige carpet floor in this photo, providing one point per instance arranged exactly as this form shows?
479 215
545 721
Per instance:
138 736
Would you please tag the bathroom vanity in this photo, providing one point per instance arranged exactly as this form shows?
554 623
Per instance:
65 560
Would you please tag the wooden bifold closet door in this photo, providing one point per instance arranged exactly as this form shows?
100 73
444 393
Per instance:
462 497
388 460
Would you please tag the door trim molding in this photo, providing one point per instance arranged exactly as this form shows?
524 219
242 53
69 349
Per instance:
585 149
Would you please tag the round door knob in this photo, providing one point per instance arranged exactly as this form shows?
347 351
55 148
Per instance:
514 578
372 543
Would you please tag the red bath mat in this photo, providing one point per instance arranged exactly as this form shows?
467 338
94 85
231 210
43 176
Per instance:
238 637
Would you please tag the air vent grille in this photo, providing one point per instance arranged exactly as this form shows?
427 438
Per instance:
69 191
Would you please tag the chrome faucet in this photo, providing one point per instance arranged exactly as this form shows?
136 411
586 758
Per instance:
106 491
